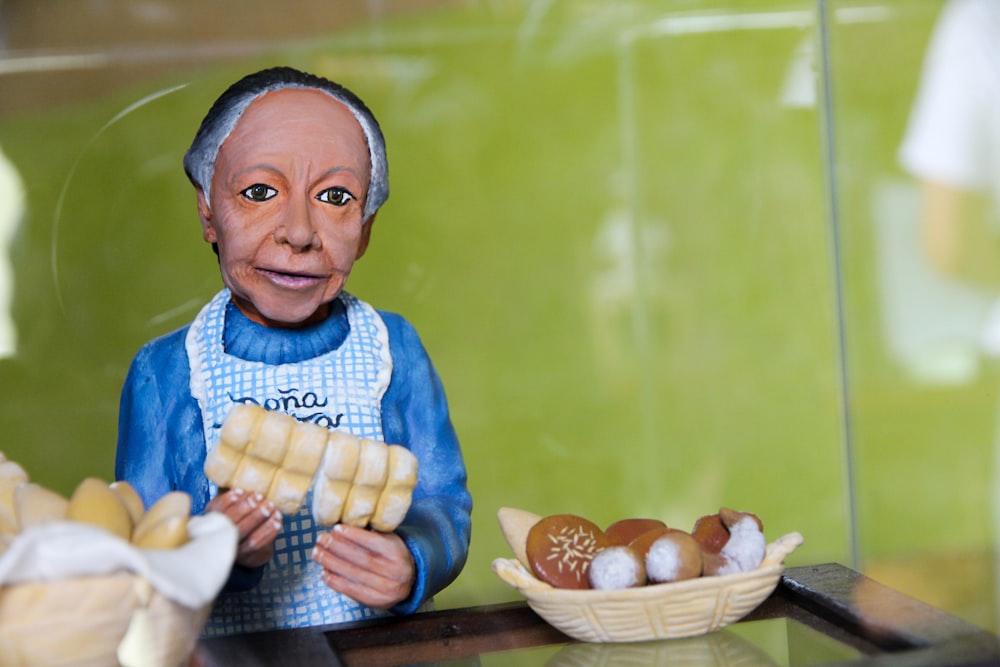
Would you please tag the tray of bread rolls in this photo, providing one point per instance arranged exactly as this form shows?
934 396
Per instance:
358 481
97 578
638 579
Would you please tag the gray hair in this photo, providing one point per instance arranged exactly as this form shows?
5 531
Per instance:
199 161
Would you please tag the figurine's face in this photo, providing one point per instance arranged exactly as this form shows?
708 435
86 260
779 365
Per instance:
287 199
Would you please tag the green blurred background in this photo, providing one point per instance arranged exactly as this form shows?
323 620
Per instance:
643 241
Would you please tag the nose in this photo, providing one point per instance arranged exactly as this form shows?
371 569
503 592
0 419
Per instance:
296 228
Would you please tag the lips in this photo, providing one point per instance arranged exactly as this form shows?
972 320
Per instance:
291 279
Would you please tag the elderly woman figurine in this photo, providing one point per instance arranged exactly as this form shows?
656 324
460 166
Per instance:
290 170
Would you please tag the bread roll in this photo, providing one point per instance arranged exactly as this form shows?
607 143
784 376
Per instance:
240 425
13 471
11 476
642 543
272 439
35 505
722 553
238 430
340 464
710 533
616 567
171 533
94 503
560 548
221 465
164 526
745 549
130 498
394 502
673 556
369 480
251 450
291 483
624 531
254 475
8 513
263 455
306 447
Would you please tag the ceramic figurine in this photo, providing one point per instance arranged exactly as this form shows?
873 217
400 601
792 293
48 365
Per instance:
290 170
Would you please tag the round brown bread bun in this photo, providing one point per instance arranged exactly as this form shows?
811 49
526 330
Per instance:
617 567
673 556
642 543
730 517
624 531
560 547
710 533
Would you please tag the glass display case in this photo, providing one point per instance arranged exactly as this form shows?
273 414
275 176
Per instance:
667 255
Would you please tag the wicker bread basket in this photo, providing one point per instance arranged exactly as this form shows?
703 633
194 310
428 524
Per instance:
660 611
73 595
81 622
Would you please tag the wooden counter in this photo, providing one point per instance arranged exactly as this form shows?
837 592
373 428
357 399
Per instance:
870 624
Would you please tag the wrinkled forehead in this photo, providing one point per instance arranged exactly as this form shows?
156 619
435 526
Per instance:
229 121
273 116
285 102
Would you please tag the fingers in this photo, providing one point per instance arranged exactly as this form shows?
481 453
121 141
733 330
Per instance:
258 546
249 511
375 569
259 522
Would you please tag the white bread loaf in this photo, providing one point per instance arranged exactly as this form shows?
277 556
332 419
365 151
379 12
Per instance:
359 481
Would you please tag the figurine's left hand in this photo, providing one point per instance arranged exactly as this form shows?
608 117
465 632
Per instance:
376 569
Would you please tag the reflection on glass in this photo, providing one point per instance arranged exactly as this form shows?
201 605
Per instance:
716 649
952 147
921 386
12 202
768 643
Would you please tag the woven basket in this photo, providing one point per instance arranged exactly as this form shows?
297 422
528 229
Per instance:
659 611
80 622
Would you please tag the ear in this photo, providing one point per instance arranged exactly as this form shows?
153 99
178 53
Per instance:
205 215
366 236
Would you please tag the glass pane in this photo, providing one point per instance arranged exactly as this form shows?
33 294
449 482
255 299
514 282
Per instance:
609 224
919 247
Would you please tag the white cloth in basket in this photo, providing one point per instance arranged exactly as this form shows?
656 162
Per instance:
191 575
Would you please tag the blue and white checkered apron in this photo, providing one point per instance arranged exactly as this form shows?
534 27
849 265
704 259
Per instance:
341 389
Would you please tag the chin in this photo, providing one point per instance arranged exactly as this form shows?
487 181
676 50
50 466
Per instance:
280 310
294 320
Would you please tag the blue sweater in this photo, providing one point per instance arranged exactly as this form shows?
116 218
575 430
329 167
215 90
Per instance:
161 442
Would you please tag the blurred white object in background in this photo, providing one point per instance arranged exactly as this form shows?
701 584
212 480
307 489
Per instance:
12 200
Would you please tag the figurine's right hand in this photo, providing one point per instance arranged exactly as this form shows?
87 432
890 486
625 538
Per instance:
257 519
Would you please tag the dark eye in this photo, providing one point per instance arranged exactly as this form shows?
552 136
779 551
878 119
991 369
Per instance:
259 192
337 196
